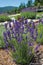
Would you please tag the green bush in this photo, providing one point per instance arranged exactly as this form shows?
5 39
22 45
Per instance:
28 15
4 18
40 33
22 56
21 42
17 17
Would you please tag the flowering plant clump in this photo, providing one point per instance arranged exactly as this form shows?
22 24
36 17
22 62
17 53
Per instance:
20 38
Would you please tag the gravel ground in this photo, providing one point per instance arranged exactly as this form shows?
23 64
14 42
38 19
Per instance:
5 58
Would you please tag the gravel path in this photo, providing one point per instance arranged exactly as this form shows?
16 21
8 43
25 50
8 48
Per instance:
5 58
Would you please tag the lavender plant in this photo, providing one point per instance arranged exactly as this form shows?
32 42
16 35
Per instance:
20 38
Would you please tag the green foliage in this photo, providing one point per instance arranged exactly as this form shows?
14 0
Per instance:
8 9
21 55
28 15
17 17
40 33
29 4
13 11
38 1
39 13
2 29
2 44
4 18
22 6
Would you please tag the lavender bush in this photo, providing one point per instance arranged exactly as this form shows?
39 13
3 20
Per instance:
20 38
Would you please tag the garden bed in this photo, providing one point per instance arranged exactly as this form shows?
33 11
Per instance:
5 57
24 34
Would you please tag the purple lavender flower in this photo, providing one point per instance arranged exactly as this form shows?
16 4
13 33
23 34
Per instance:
7 44
30 43
39 20
33 25
5 35
26 21
16 35
36 32
9 34
42 21
19 39
37 47
9 24
13 48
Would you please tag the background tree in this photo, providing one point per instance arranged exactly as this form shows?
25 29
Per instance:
38 1
22 6
29 3
13 11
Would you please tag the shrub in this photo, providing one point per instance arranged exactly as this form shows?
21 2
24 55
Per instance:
28 15
20 39
4 18
17 17
40 33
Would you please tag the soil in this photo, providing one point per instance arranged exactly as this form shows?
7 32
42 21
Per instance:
5 58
